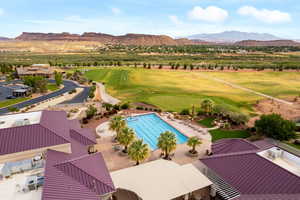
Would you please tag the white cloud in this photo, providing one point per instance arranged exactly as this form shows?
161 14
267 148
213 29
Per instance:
209 14
1 11
174 19
265 15
116 11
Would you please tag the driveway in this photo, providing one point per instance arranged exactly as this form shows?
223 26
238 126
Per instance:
68 86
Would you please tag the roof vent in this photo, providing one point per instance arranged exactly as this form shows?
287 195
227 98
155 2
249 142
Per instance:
21 122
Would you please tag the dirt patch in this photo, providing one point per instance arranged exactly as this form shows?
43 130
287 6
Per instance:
268 106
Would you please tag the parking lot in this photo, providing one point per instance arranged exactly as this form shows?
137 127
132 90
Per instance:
68 86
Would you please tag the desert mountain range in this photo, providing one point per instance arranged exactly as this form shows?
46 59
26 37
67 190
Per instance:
228 38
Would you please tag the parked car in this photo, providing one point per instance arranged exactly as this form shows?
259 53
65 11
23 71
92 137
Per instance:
11 97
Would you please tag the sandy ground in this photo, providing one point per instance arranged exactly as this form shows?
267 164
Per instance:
49 103
268 106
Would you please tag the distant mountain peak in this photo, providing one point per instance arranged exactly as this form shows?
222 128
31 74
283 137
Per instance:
234 36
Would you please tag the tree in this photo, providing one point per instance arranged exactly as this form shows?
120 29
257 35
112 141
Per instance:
91 112
38 83
117 123
138 151
276 127
167 143
58 78
193 142
207 106
126 137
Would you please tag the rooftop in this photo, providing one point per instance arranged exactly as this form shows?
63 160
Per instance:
283 159
255 175
87 176
8 121
147 180
28 131
10 191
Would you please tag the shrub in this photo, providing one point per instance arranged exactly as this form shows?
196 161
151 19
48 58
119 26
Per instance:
276 127
185 112
13 109
91 112
125 106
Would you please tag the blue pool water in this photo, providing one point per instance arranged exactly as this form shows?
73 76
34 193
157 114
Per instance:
149 127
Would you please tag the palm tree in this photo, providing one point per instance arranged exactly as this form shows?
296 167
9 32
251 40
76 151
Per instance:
138 151
167 143
117 123
126 137
207 106
193 142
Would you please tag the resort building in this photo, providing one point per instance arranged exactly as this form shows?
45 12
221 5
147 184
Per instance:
44 70
241 170
161 180
45 156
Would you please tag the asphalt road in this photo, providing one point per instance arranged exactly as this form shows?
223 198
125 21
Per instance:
68 86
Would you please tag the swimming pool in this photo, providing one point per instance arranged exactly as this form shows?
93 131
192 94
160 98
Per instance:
149 127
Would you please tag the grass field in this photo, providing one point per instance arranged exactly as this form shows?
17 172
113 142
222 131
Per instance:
207 122
276 84
176 90
220 134
10 102
52 87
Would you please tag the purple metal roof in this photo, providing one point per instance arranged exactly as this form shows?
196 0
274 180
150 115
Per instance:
54 129
84 136
85 177
232 145
252 174
29 137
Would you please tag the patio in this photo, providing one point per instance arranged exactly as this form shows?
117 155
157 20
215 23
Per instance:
115 161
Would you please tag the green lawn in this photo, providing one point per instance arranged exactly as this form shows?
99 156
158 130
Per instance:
220 134
52 87
170 90
10 102
207 122
177 90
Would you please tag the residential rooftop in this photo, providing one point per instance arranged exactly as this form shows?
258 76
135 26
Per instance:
22 119
252 173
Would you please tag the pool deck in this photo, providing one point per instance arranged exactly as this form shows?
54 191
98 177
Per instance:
115 161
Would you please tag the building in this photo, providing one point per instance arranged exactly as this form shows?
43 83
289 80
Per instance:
161 180
45 156
44 70
242 170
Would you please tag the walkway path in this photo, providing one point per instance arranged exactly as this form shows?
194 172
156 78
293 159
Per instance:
247 89
106 97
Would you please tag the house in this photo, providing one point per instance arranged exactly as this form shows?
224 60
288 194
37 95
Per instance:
243 170
45 156
44 70
161 180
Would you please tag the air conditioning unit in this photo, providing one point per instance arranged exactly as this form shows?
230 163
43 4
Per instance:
274 153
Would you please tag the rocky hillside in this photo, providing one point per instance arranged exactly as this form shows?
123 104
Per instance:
268 43
128 39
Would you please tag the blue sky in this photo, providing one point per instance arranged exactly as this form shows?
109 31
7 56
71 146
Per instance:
171 17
